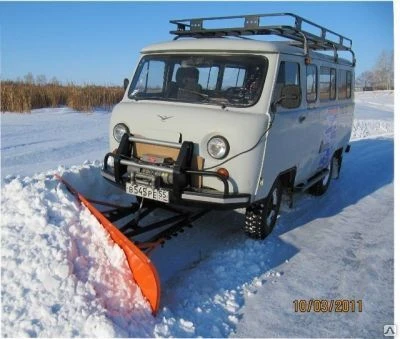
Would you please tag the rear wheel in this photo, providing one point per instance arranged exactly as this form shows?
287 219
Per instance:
261 216
322 185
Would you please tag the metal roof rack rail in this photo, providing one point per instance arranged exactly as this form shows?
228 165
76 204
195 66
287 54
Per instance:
314 41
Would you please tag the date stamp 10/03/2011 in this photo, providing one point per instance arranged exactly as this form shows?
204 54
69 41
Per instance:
327 305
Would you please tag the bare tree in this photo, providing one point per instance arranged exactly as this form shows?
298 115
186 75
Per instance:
366 79
381 76
41 79
384 70
29 79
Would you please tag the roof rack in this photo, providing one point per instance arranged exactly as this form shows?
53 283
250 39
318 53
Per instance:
195 28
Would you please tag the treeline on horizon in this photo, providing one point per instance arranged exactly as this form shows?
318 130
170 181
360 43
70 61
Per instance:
22 96
381 76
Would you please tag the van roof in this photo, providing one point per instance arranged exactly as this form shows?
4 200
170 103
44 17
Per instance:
235 45
222 44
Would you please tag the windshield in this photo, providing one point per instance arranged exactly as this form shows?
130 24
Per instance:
232 80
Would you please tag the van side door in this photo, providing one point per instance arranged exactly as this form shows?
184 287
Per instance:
312 80
292 141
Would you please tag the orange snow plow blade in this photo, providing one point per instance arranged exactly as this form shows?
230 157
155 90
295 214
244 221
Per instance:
143 271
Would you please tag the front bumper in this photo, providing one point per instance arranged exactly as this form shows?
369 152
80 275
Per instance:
181 191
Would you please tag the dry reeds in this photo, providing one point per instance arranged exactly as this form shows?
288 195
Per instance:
23 97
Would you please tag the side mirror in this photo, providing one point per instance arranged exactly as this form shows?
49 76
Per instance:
291 96
126 83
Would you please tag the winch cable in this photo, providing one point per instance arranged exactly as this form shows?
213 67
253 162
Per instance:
248 150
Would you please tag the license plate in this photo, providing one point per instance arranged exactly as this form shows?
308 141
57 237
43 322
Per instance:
148 192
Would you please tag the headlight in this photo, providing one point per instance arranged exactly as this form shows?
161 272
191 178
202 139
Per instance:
218 147
110 162
119 131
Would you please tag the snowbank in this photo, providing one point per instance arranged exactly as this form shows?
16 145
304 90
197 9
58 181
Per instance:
62 275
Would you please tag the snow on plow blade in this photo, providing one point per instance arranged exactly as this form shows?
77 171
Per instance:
143 271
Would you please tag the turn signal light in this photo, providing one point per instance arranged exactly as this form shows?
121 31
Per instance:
223 172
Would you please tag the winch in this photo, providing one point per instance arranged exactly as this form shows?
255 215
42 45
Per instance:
149 177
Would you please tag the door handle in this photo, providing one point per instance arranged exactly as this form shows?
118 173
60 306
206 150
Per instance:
302 118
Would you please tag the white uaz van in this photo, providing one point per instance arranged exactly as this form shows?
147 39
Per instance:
214 119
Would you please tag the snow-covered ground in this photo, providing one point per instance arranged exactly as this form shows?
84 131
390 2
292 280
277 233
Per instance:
373 114
62 276
46 138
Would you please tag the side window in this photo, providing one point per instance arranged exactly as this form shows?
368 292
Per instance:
288 74
327 83
333 84
349 82
344 84
311 83
233 77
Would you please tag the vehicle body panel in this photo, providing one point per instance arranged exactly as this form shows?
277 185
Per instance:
199 124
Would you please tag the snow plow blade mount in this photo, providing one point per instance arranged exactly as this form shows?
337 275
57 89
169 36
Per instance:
143 271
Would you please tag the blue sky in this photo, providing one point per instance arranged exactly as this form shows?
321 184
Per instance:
99 42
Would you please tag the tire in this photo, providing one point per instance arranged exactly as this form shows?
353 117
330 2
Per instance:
322 186
261 216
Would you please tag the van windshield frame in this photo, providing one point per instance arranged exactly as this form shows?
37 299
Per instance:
235 80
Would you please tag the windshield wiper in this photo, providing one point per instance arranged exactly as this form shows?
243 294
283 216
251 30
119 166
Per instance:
138 97
202 95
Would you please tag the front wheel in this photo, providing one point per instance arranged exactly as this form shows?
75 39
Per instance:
261 216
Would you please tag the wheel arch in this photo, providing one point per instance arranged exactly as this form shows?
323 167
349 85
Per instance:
287 178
